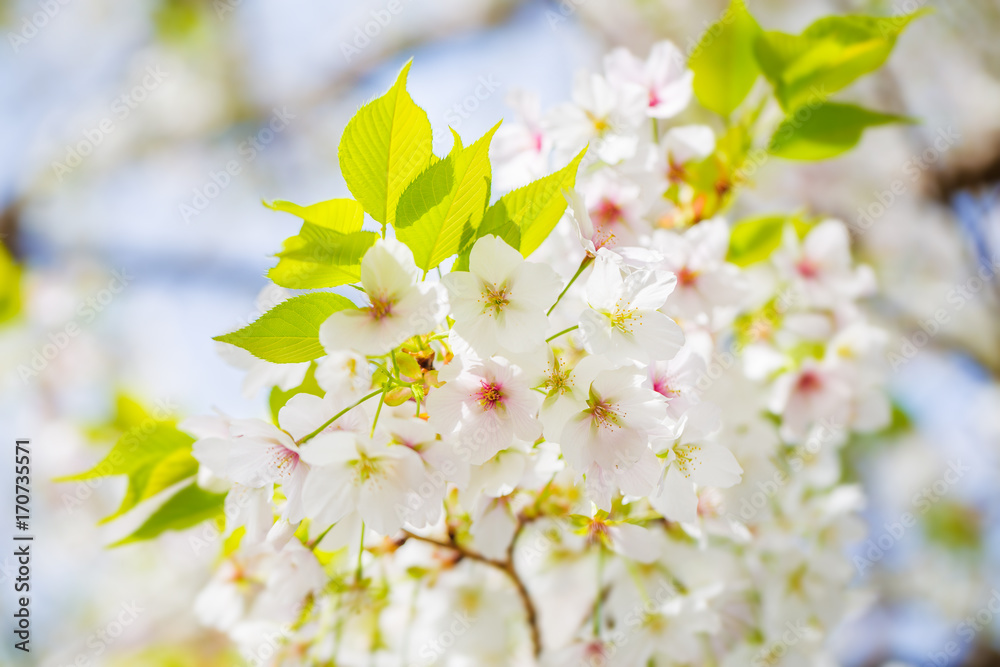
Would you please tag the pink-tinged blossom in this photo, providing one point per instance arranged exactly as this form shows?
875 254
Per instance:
484 408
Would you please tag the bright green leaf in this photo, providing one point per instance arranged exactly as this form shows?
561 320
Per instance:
278 397
525 217
754 240
384 147
723 62
186 508
10 286
828 56
341 215
319 257
446 203
152 479
142 446
825 131
289 332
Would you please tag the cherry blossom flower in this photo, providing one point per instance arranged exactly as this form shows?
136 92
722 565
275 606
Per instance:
400 305
663 77
623 320
500 302
484 408
693 459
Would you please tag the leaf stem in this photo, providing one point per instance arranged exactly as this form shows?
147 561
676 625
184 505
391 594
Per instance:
564 331
337 416
583 265
656 131
361 552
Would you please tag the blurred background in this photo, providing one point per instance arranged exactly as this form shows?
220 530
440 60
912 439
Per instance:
121 123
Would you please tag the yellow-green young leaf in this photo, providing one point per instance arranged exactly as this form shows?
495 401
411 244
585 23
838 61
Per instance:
10 286
278 398
186 508
142 446
319 257
341 215
384 147
152 479
754 240
525 217
723 62
825 131
829 55
289 332
446 203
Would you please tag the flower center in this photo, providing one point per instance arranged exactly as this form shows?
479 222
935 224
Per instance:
603 414
686 277
496 298
807 269
809 382
621 319
282 462
490 395
366 467
607 212
381 307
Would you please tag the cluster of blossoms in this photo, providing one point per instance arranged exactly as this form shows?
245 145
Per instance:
621 451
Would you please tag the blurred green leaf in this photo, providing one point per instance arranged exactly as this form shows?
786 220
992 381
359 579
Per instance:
828 56
10 286
186 508
723 62
825 131
278 398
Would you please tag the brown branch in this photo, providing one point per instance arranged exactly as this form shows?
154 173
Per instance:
506 566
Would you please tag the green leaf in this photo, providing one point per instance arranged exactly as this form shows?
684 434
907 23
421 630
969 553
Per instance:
828 56
723 62
289 332
278 398
153 454
446 202
319 257
10 286
754 240
143 445
825 131
525 217
341 215
384 147
186 508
